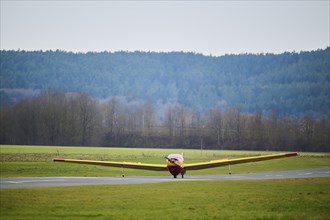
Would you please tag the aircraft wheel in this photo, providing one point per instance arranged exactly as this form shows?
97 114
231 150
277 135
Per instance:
183 172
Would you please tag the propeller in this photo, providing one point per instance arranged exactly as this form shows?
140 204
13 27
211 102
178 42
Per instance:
173 161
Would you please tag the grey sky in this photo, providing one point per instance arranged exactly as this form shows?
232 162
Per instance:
211 27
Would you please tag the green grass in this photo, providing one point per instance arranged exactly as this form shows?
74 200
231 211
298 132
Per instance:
113 152
37 161
269 199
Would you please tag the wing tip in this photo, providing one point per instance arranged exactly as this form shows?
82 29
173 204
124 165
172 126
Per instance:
58 159
292 154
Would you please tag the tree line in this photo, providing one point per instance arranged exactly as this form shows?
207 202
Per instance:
290 83
57 118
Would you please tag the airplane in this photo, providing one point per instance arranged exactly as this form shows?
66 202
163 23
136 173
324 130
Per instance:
175 163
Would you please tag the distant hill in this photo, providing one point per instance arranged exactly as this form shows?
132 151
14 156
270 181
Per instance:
289 83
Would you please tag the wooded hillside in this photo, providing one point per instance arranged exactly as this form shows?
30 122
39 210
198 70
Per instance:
288 83
166 100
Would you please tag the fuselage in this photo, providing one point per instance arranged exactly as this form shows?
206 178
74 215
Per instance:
175 164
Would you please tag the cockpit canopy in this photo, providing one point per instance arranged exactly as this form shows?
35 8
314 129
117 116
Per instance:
176 156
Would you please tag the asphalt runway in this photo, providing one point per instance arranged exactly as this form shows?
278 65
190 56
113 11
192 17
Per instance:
75 181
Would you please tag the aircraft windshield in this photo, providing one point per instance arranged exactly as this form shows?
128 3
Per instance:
177 156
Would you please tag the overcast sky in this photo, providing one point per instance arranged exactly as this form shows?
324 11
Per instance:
208 27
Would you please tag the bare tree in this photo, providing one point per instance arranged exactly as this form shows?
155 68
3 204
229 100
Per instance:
52 115
89 120
54 118
232 124
170 121
111 112
216 124
148 118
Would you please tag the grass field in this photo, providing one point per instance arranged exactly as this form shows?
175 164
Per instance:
37 160
266 199
269 199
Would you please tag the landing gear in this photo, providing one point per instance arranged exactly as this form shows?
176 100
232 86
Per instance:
229 169
183 173
122 171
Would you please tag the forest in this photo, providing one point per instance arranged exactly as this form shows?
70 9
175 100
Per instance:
58 118
292 84
166 100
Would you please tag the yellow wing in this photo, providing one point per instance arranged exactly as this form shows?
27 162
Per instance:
218 163
141 166
194 166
